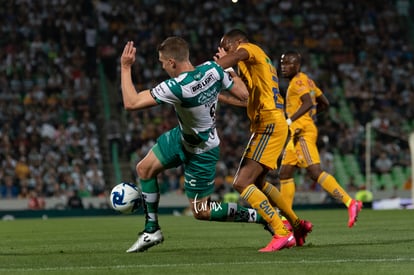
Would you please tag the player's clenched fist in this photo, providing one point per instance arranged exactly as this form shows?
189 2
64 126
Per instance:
128 55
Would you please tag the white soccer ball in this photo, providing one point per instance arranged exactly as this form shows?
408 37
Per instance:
126 198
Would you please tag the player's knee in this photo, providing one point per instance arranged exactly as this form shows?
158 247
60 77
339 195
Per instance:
201 215
286 172
142 171
314 172
200 208
315 175
283 175
239 186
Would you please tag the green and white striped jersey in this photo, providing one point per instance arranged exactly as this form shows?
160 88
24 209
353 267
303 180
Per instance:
194 95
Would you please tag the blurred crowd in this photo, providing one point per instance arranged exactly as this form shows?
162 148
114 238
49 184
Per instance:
49 143
359 53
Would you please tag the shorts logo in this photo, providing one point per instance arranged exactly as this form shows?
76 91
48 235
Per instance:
191 182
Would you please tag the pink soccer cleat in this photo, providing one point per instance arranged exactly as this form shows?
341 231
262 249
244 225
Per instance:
353 211
279 242
302 231
287 225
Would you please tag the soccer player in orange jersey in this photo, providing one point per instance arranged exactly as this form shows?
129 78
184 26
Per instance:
303 101
269 132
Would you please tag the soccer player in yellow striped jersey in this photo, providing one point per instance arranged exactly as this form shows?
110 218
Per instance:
303 100
193 92
269 132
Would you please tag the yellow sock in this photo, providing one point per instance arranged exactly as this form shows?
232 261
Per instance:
278 200
330 185
260 202
287 189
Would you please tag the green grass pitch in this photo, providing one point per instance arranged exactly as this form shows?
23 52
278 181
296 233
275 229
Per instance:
382 242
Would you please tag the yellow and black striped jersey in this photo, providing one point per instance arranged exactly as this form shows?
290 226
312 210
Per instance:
260 77
298 86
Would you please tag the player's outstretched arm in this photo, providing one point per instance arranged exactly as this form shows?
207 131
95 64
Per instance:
227 98
239 89
132 100
227 60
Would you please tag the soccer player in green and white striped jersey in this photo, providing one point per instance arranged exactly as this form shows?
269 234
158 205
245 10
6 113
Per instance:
194 143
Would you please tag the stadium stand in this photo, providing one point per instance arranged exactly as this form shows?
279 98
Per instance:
59 83
49 105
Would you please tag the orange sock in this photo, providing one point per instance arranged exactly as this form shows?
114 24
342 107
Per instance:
330 185
287 189
279 201
260 202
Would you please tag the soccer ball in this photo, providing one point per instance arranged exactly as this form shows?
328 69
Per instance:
126 198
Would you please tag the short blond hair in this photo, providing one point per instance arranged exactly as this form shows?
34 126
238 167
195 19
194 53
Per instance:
176 48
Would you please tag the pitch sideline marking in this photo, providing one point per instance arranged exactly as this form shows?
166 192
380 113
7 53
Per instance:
69 268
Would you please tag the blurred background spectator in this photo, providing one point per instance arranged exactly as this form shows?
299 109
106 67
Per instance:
53 135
